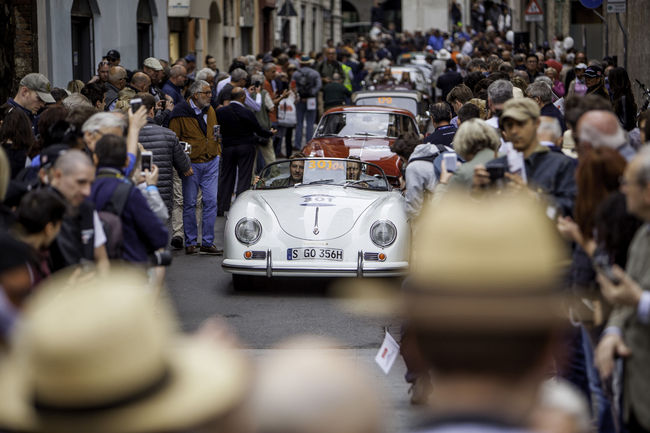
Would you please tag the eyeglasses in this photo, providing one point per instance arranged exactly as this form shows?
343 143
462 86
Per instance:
209 92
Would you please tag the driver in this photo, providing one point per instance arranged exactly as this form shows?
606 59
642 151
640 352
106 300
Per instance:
353 169
296 170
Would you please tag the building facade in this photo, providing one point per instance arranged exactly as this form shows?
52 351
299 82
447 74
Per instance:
308 24
223 29
74 35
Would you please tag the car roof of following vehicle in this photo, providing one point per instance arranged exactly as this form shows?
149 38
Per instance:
368 109
401 93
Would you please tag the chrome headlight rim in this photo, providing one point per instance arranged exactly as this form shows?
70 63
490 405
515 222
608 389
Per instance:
246 220
388 223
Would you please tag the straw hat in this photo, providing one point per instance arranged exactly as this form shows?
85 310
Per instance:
489 264
104 356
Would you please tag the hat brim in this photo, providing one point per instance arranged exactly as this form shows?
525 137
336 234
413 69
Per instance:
205 383
380 299
45 97
516 115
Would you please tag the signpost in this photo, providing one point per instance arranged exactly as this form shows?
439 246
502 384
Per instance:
534 12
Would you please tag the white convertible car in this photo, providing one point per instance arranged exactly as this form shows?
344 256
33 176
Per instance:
318 217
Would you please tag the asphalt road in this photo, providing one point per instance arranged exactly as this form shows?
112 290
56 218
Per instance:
279 309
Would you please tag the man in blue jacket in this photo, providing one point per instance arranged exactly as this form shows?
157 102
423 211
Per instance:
143 233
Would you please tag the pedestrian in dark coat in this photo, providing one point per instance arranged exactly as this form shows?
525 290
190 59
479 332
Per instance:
239 128
167 152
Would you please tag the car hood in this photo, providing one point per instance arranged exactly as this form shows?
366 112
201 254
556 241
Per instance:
317 212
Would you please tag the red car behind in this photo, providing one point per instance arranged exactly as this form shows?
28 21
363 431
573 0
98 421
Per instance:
364 131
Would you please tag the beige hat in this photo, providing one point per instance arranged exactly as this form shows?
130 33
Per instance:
489 264
153 63
104 356
40 84
520 109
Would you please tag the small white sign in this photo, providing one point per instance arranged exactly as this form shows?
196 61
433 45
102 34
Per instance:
388 353
616 6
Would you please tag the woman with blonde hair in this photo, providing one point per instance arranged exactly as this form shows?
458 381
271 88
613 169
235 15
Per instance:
476 143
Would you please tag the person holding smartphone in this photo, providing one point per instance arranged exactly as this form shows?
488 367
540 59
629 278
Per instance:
626 335
550 174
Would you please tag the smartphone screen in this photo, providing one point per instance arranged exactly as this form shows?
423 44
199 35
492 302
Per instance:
147 158
135 104
450 161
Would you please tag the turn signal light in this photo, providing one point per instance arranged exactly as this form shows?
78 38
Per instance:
382 257
248 255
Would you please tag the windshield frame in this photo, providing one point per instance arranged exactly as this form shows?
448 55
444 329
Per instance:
387 112
375 167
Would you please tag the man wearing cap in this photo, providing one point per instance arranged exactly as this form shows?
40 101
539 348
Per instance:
33 93
548 174
154 70
595 81
113 57
308 83
577 85
191 66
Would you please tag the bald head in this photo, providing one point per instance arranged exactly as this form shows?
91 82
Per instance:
599 128
177 74
117 77
73 176
141 81
238 95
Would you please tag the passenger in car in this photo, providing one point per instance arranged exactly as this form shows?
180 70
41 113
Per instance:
296 170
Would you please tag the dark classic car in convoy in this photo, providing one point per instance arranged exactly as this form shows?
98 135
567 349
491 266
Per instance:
366 132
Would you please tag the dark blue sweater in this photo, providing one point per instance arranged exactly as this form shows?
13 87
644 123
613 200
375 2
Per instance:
142 230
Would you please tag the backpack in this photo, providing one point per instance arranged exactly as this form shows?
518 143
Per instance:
304 85
437 162
111 218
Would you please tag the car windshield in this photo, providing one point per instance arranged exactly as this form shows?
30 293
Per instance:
351 124
409 104
301 172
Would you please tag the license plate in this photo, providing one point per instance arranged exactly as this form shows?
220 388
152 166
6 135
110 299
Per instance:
315 253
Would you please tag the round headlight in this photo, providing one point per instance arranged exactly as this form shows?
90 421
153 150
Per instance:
383 233
248 231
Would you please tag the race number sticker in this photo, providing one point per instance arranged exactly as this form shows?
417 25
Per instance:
318 200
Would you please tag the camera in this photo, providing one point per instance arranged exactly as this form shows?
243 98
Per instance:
161 258
257 83
136 103
147 161
496 169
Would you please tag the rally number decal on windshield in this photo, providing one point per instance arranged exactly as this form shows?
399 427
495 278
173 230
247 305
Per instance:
324 164
385 101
